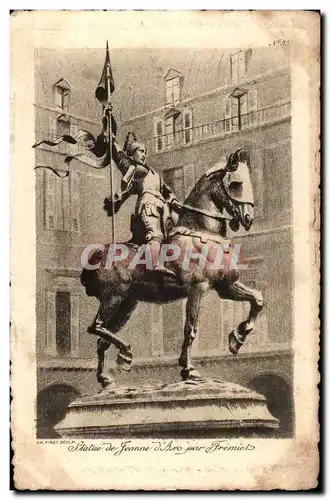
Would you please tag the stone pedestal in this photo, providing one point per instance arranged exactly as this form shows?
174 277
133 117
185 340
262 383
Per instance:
204 409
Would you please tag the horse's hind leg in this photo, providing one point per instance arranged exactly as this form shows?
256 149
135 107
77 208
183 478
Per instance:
123 314
240 292
118 312
103 378
190 331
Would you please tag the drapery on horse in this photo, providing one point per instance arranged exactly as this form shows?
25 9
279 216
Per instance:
223 193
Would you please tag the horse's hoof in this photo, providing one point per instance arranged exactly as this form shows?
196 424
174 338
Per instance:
105 381
234 344
190 374
124 359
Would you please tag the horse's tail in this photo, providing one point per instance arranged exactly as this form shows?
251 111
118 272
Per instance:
96 276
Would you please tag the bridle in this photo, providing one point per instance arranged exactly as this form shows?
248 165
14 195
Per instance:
231 165
212 215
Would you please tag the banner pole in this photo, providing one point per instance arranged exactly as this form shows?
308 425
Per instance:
110 149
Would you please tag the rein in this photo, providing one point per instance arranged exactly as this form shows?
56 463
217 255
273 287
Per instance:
202 212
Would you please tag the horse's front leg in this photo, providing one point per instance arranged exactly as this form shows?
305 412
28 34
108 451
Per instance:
190 331
103 378
240 292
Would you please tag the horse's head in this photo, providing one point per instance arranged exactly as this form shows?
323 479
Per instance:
231 189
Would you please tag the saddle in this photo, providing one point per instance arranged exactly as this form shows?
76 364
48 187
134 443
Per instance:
202 235
139 232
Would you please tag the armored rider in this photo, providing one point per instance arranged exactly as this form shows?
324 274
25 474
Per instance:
155 199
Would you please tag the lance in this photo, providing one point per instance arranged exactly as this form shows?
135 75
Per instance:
110 144
103 94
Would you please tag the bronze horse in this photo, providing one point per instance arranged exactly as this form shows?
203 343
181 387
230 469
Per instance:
223 194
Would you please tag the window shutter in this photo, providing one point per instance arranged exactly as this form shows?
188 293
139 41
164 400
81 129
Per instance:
73 132
66 97
73 127
75 205
63 323
49 200
176 91
66 203
234 113
58 222
179 129
168 176
187 125
168 92
157 344
169 131
234 68
241 65
244 110
52 127
178 183
228 114
188 178
253 100
58 97
50 324
228 108
158 135
253 105
75 325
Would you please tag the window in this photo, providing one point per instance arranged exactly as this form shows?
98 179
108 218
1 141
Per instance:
240 109
181 180
62 128
172 91
169 132
63 323
252 103
172 334
187 127
62 99
244 110
61 202
238 66
62 92
228 114
235 113
159 135
61 125
174 178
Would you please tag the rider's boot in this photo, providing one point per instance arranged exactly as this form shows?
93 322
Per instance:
155 247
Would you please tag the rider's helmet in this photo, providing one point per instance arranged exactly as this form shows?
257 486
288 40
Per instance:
132 144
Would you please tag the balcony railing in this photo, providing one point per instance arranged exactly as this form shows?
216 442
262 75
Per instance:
221 127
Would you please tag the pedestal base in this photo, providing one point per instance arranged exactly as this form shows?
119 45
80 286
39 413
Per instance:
203 409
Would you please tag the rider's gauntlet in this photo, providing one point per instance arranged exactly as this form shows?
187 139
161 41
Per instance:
110 207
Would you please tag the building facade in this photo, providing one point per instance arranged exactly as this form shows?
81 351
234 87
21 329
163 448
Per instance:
192 108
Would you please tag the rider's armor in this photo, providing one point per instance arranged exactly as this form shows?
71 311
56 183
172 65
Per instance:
152 213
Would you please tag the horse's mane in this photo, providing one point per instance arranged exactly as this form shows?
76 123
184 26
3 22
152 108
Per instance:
217 167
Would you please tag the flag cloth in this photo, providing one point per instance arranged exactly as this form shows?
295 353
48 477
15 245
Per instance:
101 92
98 153
100 157
83 135
83 158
